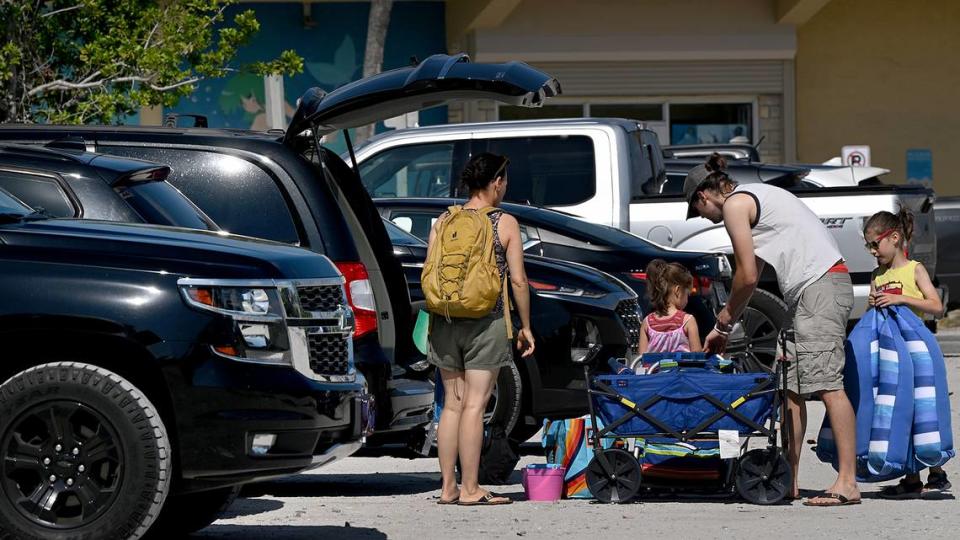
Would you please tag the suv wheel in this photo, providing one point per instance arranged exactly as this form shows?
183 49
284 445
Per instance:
503 409
86 455
184 514
756 335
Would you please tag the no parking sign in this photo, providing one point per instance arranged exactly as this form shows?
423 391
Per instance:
856 155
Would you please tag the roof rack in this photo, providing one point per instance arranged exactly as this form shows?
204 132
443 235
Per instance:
199 120
70 142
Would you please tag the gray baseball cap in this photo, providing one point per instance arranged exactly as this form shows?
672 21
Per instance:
691 185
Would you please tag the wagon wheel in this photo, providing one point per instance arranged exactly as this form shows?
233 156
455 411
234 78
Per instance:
763 476
618 484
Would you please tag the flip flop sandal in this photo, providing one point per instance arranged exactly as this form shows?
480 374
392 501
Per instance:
902 491
841 500
936 487
490 499
452 501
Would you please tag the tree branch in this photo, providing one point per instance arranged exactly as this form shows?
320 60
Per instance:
62 10
85 84
177 85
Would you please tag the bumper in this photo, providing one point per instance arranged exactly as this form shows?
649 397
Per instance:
221 406
334 453
411 402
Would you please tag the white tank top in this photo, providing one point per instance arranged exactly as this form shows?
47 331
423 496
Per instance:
788 236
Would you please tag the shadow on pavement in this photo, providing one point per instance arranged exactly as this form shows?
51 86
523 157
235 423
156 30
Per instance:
346 485
289 532
251 507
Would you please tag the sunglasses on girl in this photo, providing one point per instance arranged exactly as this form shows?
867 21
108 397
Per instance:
875 244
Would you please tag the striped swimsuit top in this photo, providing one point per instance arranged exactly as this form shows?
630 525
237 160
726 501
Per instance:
668 334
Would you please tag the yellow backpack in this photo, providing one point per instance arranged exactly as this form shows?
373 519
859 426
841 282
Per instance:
460 278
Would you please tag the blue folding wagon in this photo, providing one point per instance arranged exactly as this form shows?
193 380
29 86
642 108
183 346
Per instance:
689 403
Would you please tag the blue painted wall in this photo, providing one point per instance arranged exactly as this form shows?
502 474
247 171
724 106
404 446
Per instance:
332 51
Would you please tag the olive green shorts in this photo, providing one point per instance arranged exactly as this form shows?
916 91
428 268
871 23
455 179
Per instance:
819 324
462 344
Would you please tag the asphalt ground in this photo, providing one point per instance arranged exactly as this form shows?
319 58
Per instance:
387 497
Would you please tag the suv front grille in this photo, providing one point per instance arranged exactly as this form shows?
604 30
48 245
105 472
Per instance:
329 354
629 312
323 298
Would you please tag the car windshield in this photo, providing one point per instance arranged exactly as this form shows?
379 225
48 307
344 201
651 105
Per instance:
400 237
159 203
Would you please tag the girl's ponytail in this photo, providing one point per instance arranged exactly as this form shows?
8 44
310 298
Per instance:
905 218
662 277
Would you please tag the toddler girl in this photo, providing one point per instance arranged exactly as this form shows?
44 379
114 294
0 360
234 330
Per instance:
668 328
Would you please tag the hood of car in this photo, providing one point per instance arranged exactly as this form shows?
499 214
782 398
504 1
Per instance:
152 248
435 81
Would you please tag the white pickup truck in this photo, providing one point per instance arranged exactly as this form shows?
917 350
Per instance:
611 171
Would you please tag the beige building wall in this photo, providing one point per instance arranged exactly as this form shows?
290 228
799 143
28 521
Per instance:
884 73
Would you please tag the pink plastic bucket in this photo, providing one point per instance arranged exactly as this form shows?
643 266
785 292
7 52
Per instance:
543 482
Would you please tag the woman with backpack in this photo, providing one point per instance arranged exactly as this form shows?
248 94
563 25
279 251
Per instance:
474 251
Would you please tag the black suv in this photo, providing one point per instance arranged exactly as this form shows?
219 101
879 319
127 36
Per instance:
289 188
144 361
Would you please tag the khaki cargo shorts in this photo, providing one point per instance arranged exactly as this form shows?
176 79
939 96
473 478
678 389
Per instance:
819 325
462 344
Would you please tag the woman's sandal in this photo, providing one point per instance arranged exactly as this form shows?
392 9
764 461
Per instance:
490 499
902 491
831 499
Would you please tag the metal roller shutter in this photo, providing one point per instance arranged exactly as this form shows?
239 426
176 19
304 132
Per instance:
668 78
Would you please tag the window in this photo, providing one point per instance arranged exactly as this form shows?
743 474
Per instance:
710 123
400 237
239 196
643 112
38 192
10 205
160 203
415 222
421 170
546 171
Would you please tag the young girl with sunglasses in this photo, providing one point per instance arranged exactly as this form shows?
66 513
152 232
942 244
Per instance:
899 281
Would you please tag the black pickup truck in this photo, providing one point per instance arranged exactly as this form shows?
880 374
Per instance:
149 371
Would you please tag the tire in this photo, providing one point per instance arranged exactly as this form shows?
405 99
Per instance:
104 439
184 514
618 481
760 325
763 476
506 401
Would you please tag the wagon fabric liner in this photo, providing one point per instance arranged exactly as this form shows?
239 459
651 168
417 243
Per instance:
682 403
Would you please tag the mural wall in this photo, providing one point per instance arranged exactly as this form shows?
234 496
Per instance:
332 48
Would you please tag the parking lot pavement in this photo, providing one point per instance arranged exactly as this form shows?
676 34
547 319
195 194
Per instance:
382 497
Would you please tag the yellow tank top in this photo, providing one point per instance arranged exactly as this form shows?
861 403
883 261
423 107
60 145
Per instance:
899 281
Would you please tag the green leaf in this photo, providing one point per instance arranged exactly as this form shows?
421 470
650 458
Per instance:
108 58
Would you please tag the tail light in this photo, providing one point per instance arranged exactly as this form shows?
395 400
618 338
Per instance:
702 285
360 297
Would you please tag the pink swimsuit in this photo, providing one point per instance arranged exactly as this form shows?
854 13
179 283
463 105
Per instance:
668 334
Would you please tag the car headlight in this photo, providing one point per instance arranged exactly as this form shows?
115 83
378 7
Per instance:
259 333
240 302
585 340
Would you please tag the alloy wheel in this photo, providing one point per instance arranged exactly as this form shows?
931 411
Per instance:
62 465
